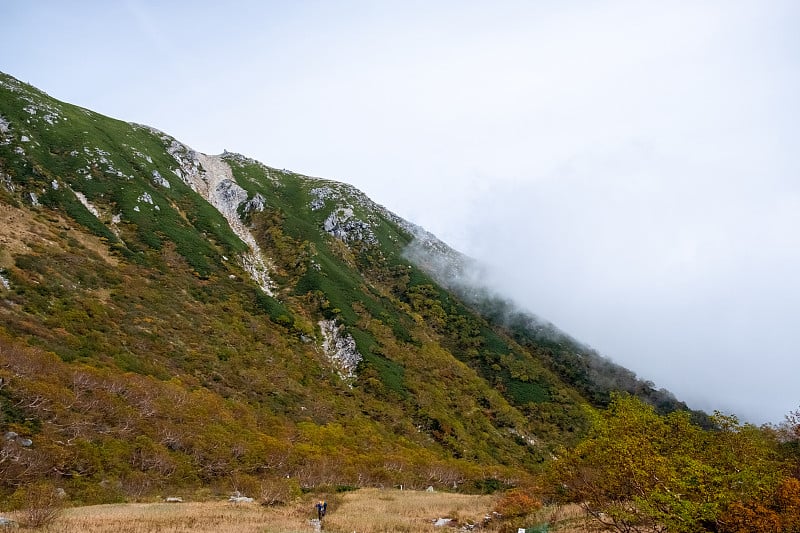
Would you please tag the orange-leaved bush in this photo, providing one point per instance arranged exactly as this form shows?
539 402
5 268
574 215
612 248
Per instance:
517 503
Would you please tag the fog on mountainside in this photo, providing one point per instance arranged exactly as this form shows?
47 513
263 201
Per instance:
596 375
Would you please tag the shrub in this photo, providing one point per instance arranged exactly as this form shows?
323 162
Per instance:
39 504
279 491
517 503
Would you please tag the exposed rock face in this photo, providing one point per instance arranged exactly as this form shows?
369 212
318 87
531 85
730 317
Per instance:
226 195
212 178
343 225
340 349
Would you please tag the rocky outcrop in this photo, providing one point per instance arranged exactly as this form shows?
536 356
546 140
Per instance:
343 225
342 222
340 349
320 195
159 180
255 205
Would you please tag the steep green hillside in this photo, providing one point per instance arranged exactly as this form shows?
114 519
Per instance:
174 319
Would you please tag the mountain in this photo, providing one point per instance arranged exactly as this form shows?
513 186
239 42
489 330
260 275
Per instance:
176 319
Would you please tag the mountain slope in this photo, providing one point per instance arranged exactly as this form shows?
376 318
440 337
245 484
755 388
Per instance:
171 318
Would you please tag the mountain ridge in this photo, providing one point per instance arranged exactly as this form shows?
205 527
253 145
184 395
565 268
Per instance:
178 319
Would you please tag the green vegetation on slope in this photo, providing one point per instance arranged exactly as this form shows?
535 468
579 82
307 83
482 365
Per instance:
160 363
138 355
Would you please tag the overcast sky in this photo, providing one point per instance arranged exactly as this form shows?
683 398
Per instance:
628 170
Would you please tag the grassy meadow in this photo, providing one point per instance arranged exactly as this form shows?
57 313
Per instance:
362 511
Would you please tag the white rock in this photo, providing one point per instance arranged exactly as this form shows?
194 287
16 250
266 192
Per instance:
340 349
343 225
88 205
216 184
7 522
158 179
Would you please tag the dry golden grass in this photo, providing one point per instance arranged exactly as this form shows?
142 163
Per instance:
196 517
379 511
362 511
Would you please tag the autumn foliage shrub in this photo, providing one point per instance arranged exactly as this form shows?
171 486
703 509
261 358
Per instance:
778 513
517 503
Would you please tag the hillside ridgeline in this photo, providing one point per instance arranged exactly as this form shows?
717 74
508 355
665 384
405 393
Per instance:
174 319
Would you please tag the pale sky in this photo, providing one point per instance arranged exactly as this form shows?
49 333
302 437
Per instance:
628 170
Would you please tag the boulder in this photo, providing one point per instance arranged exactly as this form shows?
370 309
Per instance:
238 498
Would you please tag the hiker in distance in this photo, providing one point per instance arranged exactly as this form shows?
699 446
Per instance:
322 507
